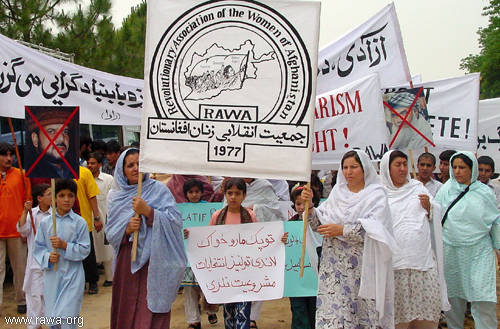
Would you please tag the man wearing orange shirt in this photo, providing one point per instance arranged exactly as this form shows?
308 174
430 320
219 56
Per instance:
13 194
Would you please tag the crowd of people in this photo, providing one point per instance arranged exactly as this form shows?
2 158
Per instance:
399 250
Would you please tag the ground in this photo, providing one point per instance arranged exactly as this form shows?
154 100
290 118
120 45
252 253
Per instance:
96 308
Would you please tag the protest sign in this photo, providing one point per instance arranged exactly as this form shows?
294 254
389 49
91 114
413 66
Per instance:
488 139
294 285
375 46
229 88
30 77
407 119
52 142
452 105
351 116
235 263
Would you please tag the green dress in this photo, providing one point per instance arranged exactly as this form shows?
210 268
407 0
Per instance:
470 233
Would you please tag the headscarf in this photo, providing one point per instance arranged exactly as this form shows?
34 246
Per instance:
161 244
471 219
369 208
405 204
176 186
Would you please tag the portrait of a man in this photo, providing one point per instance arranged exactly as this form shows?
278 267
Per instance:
397 107
45 127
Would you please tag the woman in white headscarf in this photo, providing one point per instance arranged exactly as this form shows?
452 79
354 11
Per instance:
420 295
471 230
355 279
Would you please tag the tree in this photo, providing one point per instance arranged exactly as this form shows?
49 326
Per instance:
130 44
89 34
27 20
488 60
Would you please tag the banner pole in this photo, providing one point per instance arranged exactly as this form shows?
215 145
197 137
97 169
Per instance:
410 155
304 234
53 190
136 233
14 140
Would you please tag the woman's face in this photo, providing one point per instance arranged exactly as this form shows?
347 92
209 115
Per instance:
399 171
461 171
131 168
353 172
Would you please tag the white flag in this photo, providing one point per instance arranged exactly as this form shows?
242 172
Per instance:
375 46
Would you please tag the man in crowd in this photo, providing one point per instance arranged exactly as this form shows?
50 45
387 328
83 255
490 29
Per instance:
85 149
103 250
86 194
52 163
486 170
444 165
112 153
13 194
426 165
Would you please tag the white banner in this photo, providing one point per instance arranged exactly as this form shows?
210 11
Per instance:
375 46
28 77
237 263
488 142
229 88
349 117
452 105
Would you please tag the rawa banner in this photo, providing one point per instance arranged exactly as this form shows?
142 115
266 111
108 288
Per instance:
349 117
452 105
488 139
236 263
28 77
229 88
376 46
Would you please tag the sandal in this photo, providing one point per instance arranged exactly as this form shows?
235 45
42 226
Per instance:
212 318
253 324
194 326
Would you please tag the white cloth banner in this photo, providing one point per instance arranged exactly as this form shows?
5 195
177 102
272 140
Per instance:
229 88
452 105
349 117
488 142
375 46
28 77
238 263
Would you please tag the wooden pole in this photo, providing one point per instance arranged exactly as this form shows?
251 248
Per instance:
304 235
22 172
410 154
53 188
136 233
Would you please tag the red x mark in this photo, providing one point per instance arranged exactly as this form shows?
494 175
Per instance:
51 141
404 120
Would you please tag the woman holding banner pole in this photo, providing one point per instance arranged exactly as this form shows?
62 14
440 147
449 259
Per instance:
143 290
355 278
471 231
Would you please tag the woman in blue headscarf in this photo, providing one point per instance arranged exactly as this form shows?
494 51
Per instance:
144 290
471 230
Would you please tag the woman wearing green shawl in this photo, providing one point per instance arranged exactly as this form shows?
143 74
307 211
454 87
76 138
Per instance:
471 231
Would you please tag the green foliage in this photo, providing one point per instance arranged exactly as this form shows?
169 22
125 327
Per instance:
27 20
84 29
488 60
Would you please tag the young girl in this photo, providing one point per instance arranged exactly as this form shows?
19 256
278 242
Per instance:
64 287
193 190
33 279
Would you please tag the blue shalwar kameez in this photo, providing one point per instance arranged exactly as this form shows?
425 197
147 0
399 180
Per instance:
470 233
64 287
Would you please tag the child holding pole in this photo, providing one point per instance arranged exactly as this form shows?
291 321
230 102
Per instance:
63 289
33 278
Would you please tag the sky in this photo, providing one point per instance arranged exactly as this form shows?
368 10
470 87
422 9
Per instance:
437 34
